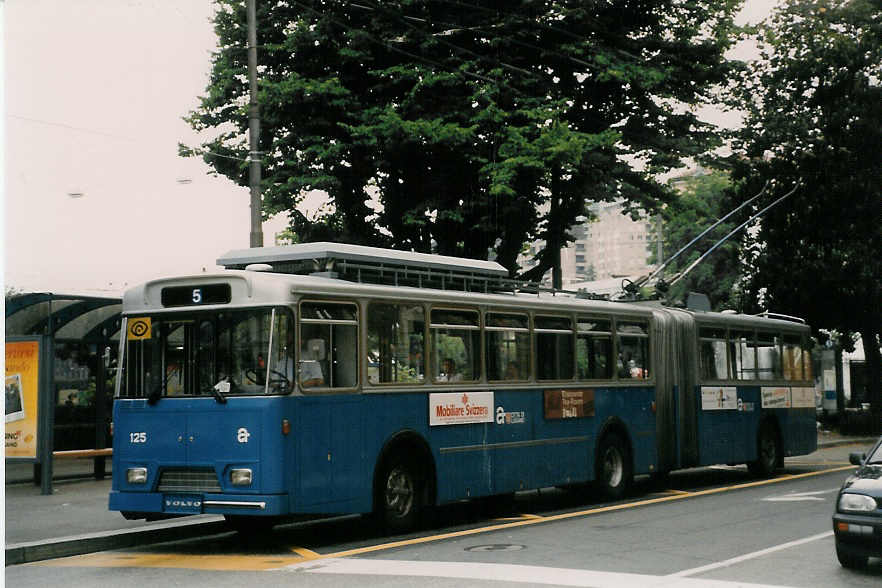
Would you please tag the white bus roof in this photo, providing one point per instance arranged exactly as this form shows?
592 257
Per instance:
361 255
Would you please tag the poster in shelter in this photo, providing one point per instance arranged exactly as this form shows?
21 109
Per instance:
22 385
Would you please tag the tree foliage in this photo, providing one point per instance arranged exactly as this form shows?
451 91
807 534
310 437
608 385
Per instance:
459 127
814 115
700 201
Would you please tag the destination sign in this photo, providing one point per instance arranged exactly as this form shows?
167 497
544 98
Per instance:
196 295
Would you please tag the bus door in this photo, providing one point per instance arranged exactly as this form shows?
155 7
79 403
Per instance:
330 460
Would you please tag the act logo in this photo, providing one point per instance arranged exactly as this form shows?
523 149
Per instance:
242 435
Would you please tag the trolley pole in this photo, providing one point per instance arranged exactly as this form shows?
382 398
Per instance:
254 129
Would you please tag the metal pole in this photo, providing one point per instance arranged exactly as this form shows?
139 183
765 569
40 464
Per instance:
738 228
659 258
254 129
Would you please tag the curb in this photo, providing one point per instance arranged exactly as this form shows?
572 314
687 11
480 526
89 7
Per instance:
31 551
851 441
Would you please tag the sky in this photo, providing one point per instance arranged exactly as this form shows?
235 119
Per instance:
95 196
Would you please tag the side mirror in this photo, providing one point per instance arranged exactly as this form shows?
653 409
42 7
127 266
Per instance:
857 458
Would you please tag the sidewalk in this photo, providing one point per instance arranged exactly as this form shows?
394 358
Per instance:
75 519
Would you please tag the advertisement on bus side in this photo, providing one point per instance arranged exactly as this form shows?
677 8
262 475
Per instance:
460 408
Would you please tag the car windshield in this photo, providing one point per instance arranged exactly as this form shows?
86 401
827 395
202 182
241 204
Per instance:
875 456
214 354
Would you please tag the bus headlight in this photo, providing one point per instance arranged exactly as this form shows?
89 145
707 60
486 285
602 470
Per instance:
856 503
136 475
240 477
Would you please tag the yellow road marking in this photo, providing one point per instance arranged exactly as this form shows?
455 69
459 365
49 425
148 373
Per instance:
305 553
519 517
268 562
671 491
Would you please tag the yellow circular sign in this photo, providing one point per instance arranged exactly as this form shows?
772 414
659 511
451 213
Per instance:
139 328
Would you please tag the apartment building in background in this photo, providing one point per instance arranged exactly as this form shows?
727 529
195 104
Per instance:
612 245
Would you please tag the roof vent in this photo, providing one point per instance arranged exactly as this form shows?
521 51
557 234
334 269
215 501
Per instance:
258 267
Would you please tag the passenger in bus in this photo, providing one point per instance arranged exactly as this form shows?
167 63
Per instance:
449 373
623 365
311 374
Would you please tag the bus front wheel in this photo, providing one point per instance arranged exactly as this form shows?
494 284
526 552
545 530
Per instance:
401 495
613 467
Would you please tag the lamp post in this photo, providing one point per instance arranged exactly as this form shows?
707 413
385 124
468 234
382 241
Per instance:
253 129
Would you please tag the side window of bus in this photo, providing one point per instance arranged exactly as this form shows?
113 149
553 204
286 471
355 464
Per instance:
396 341
743 352
456 346
633 349
508 346
554 347
328 345
768 356
791 357
593 349
712 354
807 365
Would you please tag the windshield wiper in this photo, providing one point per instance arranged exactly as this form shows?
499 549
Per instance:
154 396
156 393
221 388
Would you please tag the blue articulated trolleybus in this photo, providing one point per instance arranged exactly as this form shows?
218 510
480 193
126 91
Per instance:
327 379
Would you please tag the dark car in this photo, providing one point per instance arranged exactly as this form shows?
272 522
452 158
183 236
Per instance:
857 521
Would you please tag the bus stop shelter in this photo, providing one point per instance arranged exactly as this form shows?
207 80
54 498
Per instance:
61 362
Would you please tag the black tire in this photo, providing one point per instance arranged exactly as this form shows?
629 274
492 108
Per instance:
768 449
400 495
850 560
613 468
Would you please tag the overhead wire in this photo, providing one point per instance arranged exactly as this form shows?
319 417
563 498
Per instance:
735 230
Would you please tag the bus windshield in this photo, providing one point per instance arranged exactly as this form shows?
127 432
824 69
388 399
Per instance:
217 354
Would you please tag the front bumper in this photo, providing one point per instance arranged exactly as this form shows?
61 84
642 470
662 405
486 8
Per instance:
183 504
859 534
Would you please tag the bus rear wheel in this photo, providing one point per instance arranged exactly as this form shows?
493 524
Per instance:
400 495
768 453
613 467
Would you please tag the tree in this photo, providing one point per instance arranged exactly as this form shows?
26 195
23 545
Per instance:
814 116
701 201
447 126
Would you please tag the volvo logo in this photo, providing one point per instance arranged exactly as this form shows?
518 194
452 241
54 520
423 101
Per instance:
177 503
